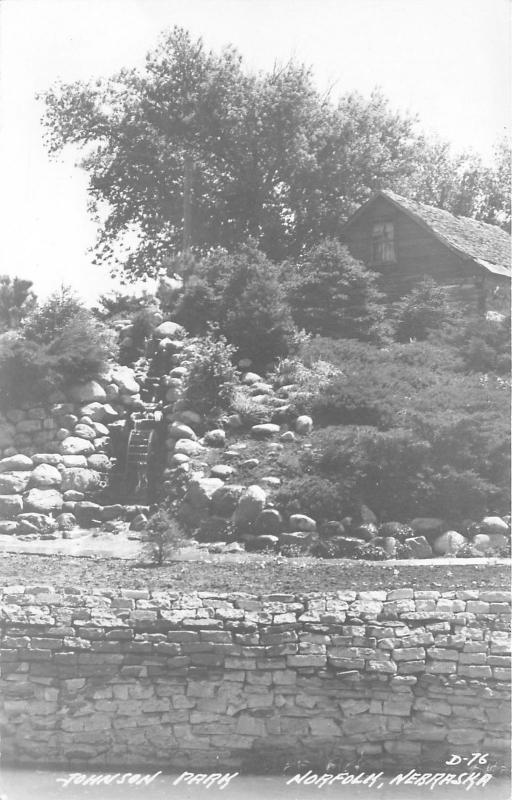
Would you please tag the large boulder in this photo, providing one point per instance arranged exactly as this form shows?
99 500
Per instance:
124 378
418 547
13 482
250 505
75 446
300 522
188 447
87 392
200 492
269 522
449 543
43 501
99 462
42 523
78 479
16 463
215 438
45 476
429 527
168 330
225 499
10 505
490 525
178 430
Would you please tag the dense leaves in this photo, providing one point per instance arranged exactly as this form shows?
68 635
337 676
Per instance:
17 300
261 155
60 343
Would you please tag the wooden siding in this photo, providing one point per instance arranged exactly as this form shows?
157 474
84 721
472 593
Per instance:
418 255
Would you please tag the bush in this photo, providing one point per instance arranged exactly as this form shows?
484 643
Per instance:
242 294
60 343
335 295
484 345
423 311
320 497
212 378
17 300
164 535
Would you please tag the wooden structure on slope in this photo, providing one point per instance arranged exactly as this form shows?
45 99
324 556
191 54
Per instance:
407 241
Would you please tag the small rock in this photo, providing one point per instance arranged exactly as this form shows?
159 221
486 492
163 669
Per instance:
271 480
264 430
300 522
250 463
190 417
99 429
390 546
304 425
234 421
222 471
71 496
266 541
179 458
200 492
215 438
288 436
16 463
66 522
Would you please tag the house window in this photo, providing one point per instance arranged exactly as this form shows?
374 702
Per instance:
383 243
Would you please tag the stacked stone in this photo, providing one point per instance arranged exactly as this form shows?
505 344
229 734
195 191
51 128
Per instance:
59 456
401 677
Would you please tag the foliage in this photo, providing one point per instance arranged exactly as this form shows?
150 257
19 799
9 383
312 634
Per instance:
241 293
266 155
484 344
321 497
212 378
164 534
335 295
60 343
17 300
118 305
425 310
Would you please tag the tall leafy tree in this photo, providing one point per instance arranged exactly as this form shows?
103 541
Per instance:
196 141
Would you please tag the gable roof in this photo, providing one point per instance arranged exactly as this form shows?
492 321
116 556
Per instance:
486 245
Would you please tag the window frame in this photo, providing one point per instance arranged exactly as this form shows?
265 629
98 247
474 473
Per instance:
382 241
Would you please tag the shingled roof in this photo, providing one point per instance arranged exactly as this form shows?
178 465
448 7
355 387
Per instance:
486 245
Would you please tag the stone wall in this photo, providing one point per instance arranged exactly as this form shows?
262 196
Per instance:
127 677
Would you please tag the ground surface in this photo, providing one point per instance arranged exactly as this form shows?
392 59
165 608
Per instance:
254 574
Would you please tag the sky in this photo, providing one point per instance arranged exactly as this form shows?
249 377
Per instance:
446 60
